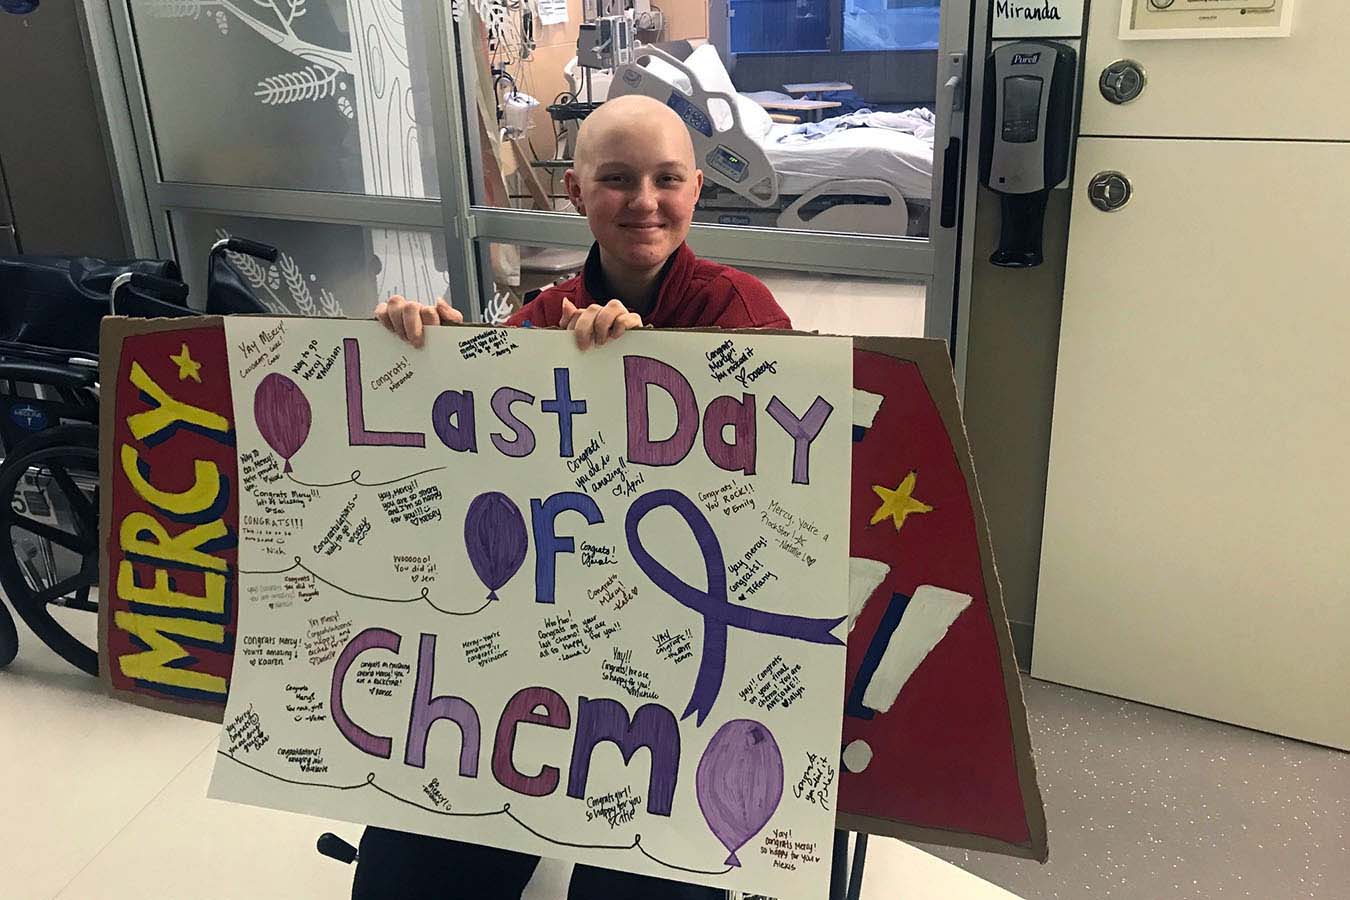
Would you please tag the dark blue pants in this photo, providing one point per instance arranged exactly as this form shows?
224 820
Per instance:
400 866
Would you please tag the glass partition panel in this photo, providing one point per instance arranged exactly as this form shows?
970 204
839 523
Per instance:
811 115
815 301
320 95
512 274
323 269
843 304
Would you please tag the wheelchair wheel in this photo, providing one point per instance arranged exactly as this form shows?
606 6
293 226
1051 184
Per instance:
9 637
49 539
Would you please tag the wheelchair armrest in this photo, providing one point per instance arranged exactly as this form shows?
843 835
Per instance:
37 372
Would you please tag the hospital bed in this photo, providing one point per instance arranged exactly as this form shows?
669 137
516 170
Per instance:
864 180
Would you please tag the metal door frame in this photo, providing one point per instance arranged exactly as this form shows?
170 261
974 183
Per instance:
962 271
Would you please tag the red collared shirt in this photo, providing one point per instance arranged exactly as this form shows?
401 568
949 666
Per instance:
694 293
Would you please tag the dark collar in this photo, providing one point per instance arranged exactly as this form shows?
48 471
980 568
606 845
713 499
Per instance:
593 279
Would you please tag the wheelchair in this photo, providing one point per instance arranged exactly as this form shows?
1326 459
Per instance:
50 310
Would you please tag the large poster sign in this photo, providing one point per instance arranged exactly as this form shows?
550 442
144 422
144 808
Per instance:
934 745
581 605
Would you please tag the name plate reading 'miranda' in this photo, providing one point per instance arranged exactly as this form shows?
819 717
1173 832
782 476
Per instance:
582 605
1038 19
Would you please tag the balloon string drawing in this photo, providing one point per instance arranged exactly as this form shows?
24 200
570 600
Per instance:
424 594
355 478
505 810
284 417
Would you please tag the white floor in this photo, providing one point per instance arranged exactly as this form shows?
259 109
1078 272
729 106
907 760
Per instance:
107 801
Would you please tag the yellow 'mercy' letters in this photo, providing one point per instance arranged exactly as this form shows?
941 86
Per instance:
147 537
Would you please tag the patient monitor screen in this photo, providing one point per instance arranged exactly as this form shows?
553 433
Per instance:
1021 108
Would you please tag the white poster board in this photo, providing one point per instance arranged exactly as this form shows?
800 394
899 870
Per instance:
586 606
1038 19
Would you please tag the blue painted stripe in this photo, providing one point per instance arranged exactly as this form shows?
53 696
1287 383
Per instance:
885 631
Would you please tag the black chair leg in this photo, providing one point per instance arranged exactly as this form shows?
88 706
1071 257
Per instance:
855 878
839 866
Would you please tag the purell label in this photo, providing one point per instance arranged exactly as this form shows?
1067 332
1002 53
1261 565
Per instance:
1026 59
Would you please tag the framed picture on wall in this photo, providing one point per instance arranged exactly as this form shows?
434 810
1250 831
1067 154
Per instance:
1150 20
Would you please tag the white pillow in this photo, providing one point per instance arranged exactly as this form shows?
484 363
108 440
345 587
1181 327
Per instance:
707 66
668 73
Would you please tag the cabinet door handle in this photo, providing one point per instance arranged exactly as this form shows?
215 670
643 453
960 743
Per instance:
1109 191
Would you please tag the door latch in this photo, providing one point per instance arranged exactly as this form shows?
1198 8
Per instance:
1122 81
1109 191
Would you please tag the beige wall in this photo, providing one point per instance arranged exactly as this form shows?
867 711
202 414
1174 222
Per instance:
56 167
1010 388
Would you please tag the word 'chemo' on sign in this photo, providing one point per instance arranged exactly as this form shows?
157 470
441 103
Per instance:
598 721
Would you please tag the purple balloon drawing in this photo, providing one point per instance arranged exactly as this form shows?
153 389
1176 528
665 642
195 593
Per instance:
739 782
495 537
283 415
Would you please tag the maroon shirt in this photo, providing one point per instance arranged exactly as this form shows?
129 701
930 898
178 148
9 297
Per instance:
694 293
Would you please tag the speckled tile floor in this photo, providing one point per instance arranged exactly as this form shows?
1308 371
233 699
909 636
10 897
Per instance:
1147 804
107 801
1143 804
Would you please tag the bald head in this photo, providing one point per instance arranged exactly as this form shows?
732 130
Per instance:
630 118
635 179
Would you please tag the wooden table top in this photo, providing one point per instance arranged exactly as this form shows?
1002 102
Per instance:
799 105
817 87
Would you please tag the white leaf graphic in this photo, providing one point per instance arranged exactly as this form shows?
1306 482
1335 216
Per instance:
173 9
295 283
500 308
309 83
328 303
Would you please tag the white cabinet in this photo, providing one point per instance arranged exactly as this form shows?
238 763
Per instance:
1292 87
1196 549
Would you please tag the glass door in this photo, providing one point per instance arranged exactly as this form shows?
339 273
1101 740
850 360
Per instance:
829 133
300 123
418 146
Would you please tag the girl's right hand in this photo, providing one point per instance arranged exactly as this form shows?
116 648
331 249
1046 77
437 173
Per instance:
407 318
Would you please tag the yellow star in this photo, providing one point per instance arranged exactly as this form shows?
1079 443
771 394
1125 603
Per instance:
187 366
899 503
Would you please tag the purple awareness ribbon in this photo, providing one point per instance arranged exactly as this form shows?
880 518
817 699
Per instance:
713 605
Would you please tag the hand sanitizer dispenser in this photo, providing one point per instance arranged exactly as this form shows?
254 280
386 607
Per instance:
1028 113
